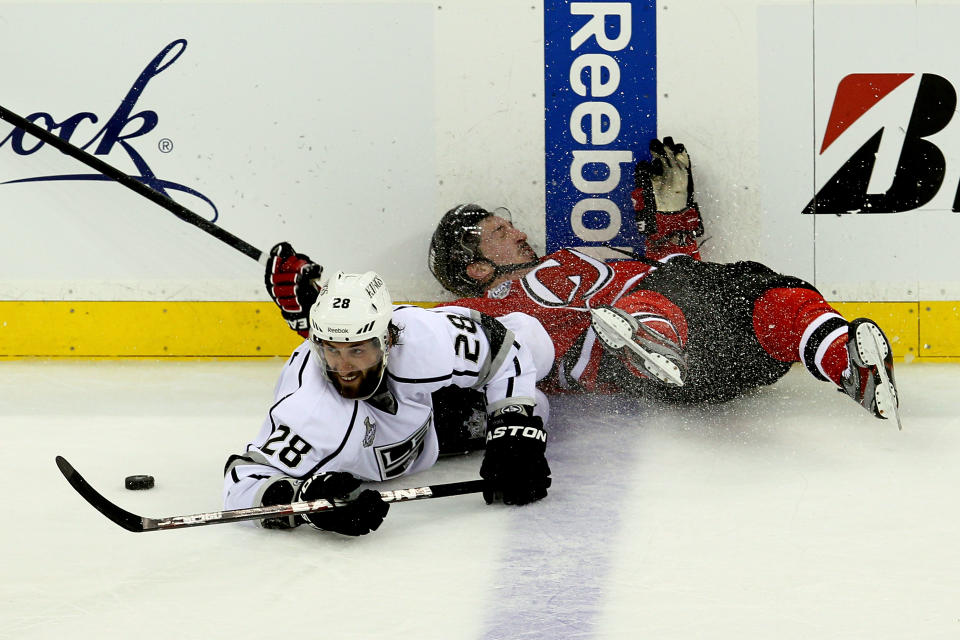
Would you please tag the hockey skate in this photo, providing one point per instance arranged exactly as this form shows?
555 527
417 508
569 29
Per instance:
870 378
649 352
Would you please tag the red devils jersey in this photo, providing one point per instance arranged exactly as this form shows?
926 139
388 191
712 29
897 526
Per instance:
559 293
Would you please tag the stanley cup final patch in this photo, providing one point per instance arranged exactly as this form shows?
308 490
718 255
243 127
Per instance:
371 432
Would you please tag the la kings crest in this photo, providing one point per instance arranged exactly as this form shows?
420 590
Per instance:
394 459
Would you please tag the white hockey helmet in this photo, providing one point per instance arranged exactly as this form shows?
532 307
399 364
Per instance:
352 307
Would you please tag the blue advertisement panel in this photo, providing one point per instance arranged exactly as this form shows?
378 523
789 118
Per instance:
600 113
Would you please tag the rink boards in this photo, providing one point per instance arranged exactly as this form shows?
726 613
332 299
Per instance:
823 135
255 329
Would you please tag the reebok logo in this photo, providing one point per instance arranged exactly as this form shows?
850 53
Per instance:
876 150
600 111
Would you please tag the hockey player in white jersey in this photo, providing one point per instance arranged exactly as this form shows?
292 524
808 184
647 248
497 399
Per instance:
353 404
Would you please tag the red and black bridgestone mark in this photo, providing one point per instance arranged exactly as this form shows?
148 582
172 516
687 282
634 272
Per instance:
921 166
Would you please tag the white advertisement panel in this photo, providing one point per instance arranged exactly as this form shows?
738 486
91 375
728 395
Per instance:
861 167
312 123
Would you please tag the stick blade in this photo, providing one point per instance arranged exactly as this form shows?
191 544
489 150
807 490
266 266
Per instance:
122 517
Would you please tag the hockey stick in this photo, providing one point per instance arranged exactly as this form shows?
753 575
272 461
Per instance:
132 183
135 523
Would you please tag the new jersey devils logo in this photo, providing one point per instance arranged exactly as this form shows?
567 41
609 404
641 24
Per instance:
919 170
569 283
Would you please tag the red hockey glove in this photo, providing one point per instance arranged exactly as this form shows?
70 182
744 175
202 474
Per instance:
289 280
663 200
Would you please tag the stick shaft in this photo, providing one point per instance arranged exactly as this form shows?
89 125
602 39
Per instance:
312 506
133 522
131 183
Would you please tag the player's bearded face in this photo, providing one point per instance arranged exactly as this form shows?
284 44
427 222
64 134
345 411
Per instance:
353 367
502 243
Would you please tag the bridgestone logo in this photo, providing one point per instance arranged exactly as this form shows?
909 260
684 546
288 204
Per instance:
915 161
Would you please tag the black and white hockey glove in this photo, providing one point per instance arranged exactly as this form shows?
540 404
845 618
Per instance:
357 512
666 211
289 279
281 490
514 464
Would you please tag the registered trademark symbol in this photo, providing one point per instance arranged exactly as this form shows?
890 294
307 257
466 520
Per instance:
165 145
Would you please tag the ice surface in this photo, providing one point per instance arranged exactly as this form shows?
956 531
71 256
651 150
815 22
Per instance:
791 513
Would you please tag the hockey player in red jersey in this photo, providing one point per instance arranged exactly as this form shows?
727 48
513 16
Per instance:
665 324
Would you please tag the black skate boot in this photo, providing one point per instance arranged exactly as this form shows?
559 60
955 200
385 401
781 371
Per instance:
870 379
644 351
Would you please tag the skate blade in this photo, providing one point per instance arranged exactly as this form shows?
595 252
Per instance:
610 328
872 347
660 366
613 331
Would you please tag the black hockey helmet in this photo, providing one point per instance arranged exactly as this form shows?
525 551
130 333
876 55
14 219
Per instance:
456 245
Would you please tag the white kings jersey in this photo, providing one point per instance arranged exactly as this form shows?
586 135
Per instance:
312 429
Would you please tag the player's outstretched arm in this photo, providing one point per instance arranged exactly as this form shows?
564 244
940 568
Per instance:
291 279
666 211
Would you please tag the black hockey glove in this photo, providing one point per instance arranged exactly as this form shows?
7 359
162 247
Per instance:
363 512
666 212
513 465
281 490
289 279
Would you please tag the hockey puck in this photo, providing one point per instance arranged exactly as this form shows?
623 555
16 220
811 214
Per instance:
135 483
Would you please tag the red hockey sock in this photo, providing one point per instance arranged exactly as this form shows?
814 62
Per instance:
798 325
835 360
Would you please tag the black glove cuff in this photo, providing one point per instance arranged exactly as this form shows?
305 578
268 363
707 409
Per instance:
280 491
